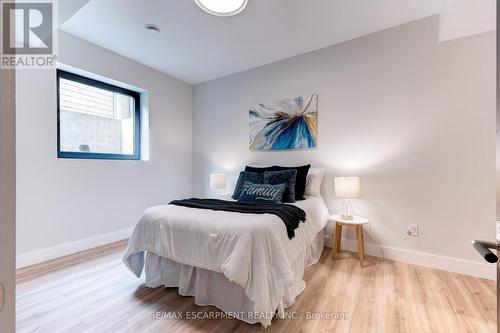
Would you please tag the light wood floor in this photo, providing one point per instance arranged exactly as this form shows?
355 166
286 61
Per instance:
94 292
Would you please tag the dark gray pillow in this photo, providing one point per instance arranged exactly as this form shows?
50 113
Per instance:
252 177
288 177
262 192
300 184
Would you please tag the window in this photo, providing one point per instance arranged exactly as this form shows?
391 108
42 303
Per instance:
96 120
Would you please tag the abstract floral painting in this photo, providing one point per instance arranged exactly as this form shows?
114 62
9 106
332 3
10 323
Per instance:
287 124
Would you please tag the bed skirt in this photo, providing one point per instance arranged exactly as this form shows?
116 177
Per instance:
212 288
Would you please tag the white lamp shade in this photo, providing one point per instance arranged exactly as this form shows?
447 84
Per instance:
347 187
217 180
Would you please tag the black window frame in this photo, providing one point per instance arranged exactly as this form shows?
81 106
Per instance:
110 87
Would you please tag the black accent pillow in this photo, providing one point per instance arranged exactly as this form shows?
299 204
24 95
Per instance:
287 177
300 184
252 177
262 192
258 169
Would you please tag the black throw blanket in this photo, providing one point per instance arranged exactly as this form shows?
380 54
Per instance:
291 215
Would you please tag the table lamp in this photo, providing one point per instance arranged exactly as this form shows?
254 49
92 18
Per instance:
217 181
347 188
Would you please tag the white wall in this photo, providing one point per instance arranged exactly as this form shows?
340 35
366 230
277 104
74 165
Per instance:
61 201
413 117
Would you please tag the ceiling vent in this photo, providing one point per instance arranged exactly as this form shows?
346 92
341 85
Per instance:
152 28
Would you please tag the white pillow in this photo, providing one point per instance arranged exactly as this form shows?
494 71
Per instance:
314 180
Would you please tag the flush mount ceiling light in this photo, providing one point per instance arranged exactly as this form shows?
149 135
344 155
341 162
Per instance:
222 7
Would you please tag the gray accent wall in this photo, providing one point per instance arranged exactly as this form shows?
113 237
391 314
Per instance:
7 198
414 118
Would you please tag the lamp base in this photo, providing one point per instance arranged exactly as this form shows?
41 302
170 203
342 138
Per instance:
347 211
347 217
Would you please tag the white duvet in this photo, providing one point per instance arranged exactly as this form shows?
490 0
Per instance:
251 250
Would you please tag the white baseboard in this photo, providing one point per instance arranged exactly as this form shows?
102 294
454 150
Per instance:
455 265
467 267
36 257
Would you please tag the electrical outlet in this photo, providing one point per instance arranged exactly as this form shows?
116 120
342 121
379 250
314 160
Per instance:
412 230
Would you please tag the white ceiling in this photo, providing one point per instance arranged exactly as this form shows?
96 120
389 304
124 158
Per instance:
461 18
195 47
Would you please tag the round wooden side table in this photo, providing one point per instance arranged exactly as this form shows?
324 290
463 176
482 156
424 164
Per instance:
357 223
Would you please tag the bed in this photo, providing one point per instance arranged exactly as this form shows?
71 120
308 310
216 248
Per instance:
243 264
